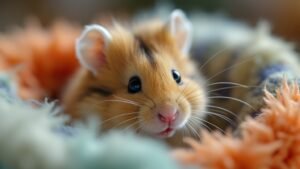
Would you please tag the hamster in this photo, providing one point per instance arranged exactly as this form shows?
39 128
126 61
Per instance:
139 78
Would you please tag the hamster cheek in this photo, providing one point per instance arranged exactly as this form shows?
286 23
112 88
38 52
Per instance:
184 108
197 99
121 115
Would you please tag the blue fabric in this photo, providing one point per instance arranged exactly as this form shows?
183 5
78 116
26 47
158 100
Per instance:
66 131
7 89
272 69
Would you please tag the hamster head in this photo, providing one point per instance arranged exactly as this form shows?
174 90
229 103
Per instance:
139 77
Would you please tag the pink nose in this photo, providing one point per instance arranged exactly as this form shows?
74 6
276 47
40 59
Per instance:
167 114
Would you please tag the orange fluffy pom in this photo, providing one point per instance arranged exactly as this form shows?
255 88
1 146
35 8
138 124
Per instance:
272 141
45 59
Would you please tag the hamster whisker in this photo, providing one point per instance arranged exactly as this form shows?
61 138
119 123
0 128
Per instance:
192 120
134 118
118 116
125 121
121 101
195 122
193 131
205 121
131 125
221 116
122 98
184 130
153 102
229 68
193 96
180 94
234 99
221 108
138 129
220 113
191 128
230 83
212 57
192 91
229 87
134 102
128 102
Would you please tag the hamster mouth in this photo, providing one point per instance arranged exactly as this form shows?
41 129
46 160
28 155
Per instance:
168 132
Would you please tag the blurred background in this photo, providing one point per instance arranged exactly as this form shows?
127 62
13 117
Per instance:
284 15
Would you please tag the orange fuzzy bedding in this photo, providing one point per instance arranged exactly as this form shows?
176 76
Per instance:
272 141
43 59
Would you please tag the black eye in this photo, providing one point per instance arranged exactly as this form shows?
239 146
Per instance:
176 76
134 84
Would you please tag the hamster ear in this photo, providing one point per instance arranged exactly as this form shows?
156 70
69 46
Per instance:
91 45
181 29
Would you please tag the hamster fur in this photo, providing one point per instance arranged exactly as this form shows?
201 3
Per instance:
139 78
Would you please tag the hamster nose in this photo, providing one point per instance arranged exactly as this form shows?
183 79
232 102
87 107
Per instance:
167 114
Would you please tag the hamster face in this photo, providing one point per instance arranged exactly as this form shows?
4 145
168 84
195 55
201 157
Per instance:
142 80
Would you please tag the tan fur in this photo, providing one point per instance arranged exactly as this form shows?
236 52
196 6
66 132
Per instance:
123 60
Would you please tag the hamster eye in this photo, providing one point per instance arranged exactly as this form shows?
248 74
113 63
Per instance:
176 76
134 84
